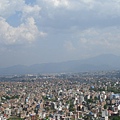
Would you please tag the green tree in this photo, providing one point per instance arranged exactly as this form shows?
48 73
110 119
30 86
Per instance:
105 106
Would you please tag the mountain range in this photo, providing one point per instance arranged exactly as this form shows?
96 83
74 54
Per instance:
98 63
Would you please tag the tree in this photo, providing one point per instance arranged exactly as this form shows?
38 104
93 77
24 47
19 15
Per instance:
105 106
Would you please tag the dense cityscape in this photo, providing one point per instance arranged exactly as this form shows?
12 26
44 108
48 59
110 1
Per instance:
65 96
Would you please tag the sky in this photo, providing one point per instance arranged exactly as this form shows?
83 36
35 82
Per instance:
44 31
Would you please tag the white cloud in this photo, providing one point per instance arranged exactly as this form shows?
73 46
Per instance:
68 45
108 38
25 33
9 7
31 11
58 3
101 6
63 15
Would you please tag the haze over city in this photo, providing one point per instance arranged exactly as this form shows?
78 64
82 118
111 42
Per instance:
44 31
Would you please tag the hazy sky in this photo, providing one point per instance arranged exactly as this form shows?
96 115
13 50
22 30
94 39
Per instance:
40 31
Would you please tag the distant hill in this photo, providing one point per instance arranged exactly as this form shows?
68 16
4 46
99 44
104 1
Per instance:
101 62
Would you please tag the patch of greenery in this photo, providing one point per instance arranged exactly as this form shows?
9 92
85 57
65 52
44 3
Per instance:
71 107
9 97
115 118
15 118
89 100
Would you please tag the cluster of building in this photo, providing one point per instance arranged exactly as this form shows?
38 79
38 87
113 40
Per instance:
60 97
